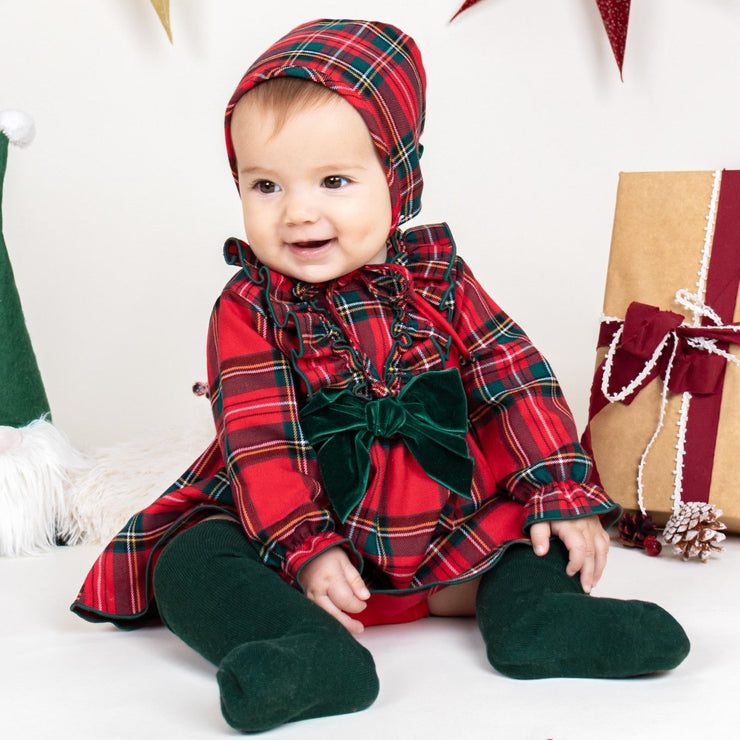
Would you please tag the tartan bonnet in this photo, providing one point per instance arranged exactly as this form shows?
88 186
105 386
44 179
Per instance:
378 70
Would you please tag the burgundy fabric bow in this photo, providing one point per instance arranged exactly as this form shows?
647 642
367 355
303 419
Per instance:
645 328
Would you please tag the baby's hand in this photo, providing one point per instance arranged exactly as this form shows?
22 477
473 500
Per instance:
586 541
333 583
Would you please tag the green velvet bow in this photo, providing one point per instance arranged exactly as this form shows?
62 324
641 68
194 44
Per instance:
429 414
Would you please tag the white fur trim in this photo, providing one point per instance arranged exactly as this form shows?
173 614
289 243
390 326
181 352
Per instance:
125 478
17 126
35 464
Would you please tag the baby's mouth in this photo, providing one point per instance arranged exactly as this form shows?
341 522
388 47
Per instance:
316 244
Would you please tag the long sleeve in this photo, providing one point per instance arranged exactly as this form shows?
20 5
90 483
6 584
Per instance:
271 467
519 416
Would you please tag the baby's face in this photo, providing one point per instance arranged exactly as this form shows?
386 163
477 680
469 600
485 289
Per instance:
314 196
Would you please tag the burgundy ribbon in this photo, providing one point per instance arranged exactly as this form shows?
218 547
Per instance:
694 369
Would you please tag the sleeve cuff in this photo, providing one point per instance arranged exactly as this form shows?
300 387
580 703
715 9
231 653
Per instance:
570 500
311 548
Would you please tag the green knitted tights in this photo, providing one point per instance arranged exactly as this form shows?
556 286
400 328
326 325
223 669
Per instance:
537 622
280 657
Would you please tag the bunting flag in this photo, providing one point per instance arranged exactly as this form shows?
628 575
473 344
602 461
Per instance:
467 4
615 15
163 11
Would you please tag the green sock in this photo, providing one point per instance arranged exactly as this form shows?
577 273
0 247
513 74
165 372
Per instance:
537 622
281 658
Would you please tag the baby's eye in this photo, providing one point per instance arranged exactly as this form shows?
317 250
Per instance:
335 181
266 186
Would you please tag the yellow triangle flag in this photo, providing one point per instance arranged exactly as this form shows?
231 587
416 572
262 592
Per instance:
163 11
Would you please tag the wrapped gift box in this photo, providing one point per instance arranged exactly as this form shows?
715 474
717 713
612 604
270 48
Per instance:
664 420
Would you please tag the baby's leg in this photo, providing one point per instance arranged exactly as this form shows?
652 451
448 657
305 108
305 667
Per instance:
537 622
281 658
454 601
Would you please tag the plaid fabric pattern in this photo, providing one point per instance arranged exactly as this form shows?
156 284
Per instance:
273 342
377 68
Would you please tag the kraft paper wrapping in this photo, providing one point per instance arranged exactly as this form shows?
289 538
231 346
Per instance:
657 245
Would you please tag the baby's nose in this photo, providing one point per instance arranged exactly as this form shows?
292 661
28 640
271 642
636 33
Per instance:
300 209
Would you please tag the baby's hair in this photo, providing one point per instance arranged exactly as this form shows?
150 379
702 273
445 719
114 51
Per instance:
282 96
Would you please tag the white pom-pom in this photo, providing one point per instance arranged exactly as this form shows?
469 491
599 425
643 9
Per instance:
17 126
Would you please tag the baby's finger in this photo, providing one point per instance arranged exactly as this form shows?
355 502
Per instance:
587 570
354 579
582 557
343 597
601 554
353 626
540 535
578 553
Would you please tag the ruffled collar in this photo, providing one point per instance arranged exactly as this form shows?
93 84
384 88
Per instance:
422 254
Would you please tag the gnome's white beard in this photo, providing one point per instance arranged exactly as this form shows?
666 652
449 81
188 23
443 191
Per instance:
50 492
35 464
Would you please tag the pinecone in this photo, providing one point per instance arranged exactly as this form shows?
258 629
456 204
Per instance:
695 530
635 528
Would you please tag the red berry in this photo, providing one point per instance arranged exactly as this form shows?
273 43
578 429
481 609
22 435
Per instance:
652 546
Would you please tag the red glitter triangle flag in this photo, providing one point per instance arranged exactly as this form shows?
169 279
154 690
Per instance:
616 15
467 4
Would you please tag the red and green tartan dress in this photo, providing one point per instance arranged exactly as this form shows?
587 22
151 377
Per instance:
275 343
395 411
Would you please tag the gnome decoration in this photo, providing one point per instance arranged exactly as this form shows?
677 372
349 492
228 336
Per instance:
35 458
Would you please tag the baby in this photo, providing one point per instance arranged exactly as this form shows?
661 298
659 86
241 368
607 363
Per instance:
389 444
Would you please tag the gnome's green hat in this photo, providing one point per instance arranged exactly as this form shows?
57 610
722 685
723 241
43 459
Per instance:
36 459
22 395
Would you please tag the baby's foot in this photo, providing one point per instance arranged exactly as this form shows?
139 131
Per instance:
267 683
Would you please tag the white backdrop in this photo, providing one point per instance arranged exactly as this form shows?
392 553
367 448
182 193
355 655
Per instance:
116 215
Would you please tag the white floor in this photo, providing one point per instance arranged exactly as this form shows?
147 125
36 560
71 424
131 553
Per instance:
65 678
